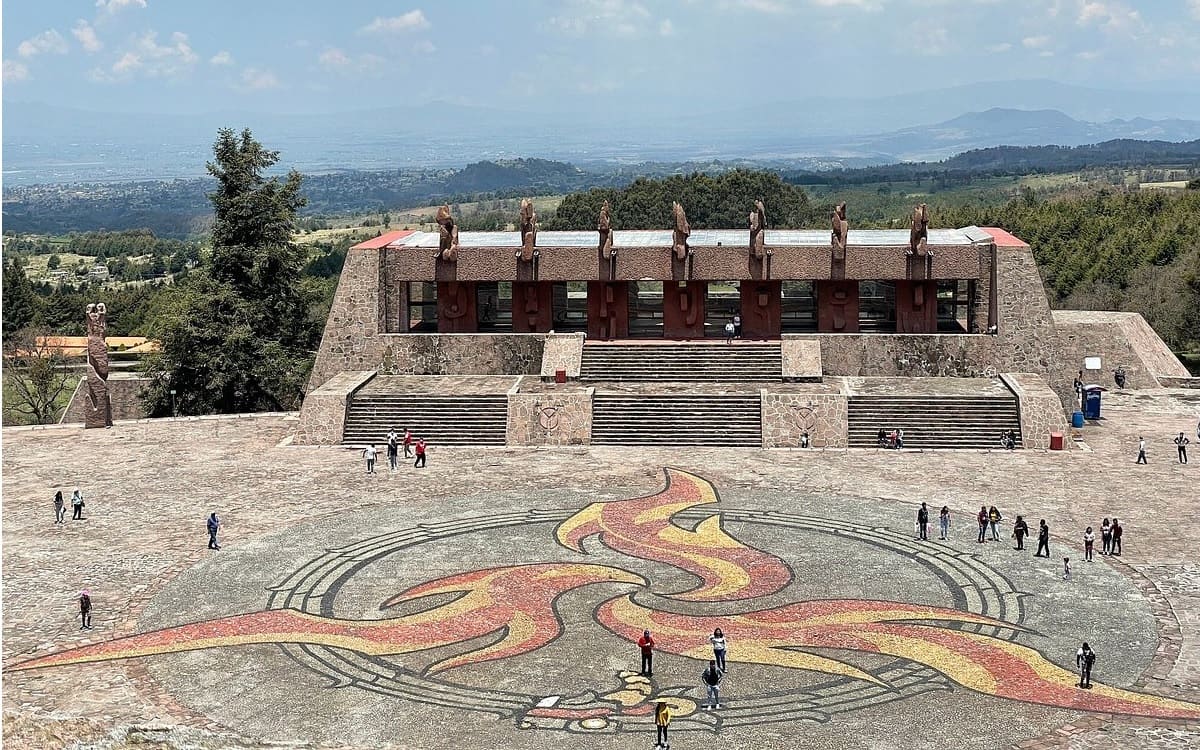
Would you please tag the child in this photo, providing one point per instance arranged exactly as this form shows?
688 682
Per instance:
1066 568
369 454
662 720
944 523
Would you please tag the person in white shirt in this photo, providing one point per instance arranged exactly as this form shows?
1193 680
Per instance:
369 454
1141 459
717 639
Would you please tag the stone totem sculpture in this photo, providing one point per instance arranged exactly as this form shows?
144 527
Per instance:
918 235
841 232
681 232
758 224
99 406
605 229
448 231
528 225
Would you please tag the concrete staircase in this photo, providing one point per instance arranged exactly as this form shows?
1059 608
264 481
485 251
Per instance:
683 362
677 419
440 420
934 421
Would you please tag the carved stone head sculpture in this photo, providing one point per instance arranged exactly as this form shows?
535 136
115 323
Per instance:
528 226
97 319
918 236
758 224
605 229
841 231
681 231
448 242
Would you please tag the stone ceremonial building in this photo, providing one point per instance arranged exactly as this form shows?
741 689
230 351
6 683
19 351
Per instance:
618 337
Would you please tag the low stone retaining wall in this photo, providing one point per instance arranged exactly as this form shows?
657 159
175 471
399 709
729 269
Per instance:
323 415
1040 409
562 351
787 415
562 417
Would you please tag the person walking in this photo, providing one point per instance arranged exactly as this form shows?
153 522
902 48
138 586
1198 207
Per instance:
944 523
77 505
982 518
1066 568
712 682
1181 443
1117 531
717 639
214 525
729 332
369 453
1085 659
1043 539
1020 530
662 720
60 507
85 610
1141 459
646 645
1089 542
923 523
393 449
408 441
994 518
1106 538
420 462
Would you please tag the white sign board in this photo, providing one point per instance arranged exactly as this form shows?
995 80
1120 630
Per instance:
1091 363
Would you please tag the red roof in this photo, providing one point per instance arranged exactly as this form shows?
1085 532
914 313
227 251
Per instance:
1003 238
383 240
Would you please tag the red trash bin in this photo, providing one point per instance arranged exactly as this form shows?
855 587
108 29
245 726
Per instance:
1056 441
560 376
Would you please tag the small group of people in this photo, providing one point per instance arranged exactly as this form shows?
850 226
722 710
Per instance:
1008 440
710 678
893 439
733 329
394 443
988 520
60 506
1181 442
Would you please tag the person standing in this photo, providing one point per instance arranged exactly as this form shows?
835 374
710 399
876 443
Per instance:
923 522
420 462
60 507
737 326
646 645
407 443
1181 443
1020 530
393 449
1043 539
729 332
85 610
1106 538
712 682
899 439
369 453
982 518
1085 658
994 518
662 720
1141 459
944 523
77 505
214 525
1117 531
717 639
1089 542
1078 385
1066 568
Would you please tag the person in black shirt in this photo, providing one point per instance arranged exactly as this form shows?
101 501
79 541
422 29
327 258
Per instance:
1085 657
1043 539
923 522
1020 530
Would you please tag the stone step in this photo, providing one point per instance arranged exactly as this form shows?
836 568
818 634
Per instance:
677 419
479 419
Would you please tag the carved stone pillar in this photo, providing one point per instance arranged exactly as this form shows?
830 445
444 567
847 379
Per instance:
683 309
916 307
608 309
532 306
837 306
458 309
761 309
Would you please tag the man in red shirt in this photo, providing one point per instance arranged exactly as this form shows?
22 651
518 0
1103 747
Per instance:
407 443
420 462
646 644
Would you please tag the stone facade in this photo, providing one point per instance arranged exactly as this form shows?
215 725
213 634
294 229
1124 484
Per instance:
560 417
124 397
1040 408
323 415
821 411
1119 339
351 340
460 354
563 351
801 359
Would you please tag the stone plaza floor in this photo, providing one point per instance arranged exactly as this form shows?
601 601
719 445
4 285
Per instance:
485 602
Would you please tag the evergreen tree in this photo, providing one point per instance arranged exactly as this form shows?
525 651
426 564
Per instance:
21 303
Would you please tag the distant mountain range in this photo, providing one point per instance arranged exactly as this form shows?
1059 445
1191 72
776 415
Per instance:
50 144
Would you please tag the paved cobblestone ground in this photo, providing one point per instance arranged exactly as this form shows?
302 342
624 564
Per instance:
150 485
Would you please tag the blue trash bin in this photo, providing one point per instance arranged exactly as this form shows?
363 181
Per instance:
1091 402
1077 420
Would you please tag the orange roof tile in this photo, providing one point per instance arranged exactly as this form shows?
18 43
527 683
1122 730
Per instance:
1003 238
383 240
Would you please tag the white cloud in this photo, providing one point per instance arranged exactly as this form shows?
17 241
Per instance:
15 71
333 58
257 79
771 7
1089 55
86 36
1195 6
1036 42
410 21
47 41
114 6
221 58
1110 16
618 17
864 4
997 48
424 47
666 28
128 62
145 56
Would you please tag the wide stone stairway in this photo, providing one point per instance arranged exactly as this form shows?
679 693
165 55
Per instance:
937 420
440 410
725 419
701 362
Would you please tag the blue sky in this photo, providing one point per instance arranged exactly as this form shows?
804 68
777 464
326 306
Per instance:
182 56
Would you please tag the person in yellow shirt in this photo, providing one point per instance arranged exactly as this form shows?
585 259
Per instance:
662 719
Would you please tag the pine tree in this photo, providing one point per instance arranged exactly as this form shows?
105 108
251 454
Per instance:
21 303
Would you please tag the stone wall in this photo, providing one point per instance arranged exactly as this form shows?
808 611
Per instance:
124 393
459 354
1119 339
323 415
1040 408
562 417
801 359
562 351
351 339
822 413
